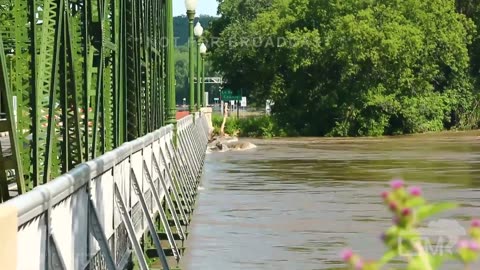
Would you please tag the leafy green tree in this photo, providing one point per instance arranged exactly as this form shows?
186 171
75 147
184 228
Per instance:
237 63
354 67
471 9
181 76
180 26
182 56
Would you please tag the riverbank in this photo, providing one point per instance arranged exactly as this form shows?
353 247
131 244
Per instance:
266 127
260 126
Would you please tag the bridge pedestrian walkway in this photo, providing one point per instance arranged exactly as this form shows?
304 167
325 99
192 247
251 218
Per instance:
131 205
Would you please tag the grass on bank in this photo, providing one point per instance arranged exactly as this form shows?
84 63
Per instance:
263 126
260 126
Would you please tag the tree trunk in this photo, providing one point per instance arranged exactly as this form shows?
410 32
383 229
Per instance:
225 115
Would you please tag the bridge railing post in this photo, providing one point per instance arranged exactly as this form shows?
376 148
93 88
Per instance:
8 234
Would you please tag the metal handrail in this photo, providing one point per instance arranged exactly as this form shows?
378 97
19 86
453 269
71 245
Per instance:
32 204
94 184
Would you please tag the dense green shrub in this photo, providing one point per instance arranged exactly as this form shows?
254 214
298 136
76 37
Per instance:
231 125
216 122
254 126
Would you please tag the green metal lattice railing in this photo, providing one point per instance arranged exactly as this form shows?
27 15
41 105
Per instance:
88 75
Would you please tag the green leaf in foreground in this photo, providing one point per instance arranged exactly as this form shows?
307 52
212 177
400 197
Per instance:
427 211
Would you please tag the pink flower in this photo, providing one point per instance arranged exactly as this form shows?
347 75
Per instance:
397 184
463 244
474 246
346 255
476 223
359 265
406 212
393 206
415 191
385 195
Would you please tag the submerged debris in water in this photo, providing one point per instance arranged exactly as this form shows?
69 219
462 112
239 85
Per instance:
223 144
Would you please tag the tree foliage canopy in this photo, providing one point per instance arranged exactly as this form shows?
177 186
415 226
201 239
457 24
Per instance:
354 67
182 56
180 26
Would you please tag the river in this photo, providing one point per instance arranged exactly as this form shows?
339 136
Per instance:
296 203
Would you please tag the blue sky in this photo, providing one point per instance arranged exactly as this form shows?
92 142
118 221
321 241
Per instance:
205 7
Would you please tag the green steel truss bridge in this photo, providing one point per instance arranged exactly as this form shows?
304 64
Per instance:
92 158
87 76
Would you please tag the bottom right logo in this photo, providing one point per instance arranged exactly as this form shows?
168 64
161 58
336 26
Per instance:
439 237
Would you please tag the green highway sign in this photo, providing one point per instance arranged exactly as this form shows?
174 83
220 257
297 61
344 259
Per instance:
227 95
230 98
227 92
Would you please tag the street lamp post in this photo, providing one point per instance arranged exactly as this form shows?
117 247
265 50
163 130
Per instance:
203 53
198 31
191 5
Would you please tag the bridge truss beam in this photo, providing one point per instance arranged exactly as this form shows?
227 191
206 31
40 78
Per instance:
88 75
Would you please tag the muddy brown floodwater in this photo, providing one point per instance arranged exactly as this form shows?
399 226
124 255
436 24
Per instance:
295 203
